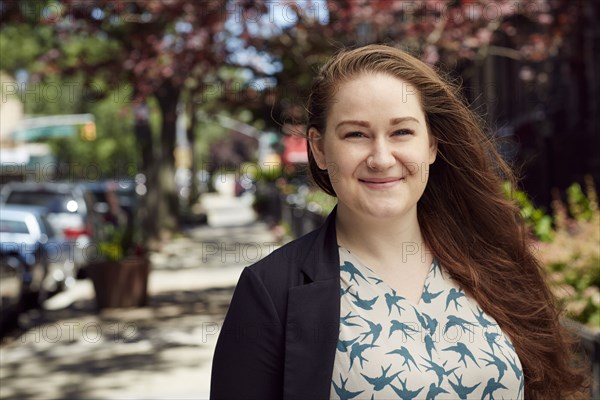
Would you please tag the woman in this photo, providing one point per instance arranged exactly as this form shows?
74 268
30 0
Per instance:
420 284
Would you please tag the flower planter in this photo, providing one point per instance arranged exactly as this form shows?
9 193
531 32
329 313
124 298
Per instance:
121 283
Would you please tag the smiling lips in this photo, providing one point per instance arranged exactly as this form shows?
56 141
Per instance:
381 183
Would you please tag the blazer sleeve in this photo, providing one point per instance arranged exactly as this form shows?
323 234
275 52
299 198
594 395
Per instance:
248 359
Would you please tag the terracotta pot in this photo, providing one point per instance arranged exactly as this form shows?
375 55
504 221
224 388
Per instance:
121 283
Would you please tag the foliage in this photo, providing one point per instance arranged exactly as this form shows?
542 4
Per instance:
539 222
22 45
113 247
572 259
568 246
581 206
112 154
176 50
453 35
320 202
158 49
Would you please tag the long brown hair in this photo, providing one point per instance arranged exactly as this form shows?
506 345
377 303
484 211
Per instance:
476 233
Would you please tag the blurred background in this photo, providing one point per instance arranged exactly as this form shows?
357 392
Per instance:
149 150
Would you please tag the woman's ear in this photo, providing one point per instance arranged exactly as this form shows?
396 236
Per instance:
315 141
433 148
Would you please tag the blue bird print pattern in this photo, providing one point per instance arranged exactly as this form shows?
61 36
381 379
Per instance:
443 347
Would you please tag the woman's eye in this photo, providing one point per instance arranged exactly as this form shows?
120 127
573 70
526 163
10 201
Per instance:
403 132
354 135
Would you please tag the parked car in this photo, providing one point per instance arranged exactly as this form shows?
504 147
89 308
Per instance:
31 257
12 276
70 212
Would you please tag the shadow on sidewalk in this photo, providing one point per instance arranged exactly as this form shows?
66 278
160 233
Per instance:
77 352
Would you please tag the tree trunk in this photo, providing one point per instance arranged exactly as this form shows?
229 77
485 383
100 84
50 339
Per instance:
191 137
167 96
149 204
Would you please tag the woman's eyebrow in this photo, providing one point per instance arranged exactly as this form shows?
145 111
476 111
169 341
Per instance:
353 122
399 120
365 124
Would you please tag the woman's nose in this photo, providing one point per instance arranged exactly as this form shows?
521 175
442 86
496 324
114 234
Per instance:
381 157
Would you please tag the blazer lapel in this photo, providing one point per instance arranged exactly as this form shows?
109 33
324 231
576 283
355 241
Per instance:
313 320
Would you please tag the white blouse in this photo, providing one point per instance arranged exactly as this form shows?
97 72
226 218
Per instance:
442 347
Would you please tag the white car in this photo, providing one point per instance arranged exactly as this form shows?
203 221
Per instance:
70 213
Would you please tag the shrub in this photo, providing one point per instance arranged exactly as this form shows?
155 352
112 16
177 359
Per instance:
572 258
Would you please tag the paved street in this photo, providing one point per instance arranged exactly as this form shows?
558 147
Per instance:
162 351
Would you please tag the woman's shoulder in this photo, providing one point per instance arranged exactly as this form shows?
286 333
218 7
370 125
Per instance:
287 260
312 257
278 272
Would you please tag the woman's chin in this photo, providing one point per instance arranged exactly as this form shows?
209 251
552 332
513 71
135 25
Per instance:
386 212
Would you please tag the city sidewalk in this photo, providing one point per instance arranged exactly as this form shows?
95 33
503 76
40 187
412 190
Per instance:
162 351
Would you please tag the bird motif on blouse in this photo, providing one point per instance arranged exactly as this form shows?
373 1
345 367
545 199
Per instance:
353 271
344 344
404 393
461 390
357 350
363 303
448 359
490 388
427 296
481 318
344 291
374 329
426 321
462 349
434 391
453 320
514 367
509 344
492 339
439 370
408 358
453 296
434 267
429 345
342 392
344 320
497 362
401 326
383 380
392 300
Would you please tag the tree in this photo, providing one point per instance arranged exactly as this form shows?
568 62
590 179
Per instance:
453 35
164 49
158 48
527 66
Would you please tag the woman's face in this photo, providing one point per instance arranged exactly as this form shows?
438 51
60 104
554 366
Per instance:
375 119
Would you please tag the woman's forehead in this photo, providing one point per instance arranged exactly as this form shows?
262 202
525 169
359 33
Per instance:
368 93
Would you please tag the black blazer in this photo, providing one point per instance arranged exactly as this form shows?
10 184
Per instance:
279 337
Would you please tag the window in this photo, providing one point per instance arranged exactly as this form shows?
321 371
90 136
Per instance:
11 226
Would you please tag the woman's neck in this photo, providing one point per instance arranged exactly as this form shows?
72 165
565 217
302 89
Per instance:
395 242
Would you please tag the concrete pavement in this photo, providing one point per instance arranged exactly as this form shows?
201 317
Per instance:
162 351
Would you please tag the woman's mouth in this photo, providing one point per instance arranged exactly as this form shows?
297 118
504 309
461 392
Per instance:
381 183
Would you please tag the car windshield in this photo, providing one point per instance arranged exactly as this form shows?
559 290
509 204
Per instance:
12 226
54 202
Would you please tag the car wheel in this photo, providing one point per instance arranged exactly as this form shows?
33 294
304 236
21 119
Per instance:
12 270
